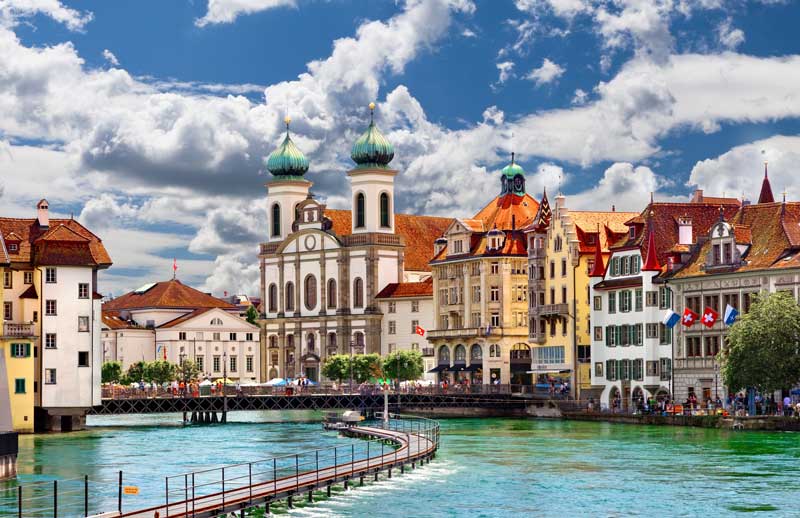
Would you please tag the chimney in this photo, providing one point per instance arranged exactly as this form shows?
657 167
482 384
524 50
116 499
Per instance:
613 208
42 215
697 197
685 230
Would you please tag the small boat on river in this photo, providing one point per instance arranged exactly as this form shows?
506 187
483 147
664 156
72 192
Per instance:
339 421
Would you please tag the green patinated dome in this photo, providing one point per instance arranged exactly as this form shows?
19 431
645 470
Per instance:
512 178
372 149
512 169
287 161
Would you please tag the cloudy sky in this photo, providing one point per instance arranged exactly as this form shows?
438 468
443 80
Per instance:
149 121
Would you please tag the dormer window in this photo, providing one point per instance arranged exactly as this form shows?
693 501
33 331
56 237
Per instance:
727 253
13 248
632 233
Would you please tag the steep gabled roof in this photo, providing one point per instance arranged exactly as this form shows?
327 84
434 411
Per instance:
172 294
64 242
397 290
765 196
418 232
611 224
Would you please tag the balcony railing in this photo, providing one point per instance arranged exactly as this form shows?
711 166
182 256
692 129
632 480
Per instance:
269 248
18 330
372 238
551 309
467 331
427 351
537 253
695 363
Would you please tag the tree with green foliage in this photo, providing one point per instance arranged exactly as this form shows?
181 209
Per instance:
251 315
404 365
136 372
337 367
160 371
763 348
111 372
366 367
187 370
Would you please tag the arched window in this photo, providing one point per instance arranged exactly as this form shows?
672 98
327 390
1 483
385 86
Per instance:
461 354
310 288
290 341
358 293
276 220
520 351
331 293
385 210
273 298
444 355
476 353
216 321
360 210
289 296
359 342
310 342
332 340
273 342
297 212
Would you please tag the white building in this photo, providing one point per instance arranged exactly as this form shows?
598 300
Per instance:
171 321
407 309
51 296
632 350
321 269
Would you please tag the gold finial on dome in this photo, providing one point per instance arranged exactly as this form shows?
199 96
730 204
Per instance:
372 106
287 120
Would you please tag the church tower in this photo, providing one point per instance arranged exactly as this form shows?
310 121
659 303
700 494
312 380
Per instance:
372 182
288 187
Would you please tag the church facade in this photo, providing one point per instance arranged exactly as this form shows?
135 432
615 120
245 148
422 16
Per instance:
321 269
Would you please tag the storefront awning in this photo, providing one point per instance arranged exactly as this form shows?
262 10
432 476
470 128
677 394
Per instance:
474 367
439 368
458 367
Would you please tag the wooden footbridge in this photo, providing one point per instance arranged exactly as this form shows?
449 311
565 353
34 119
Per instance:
394 443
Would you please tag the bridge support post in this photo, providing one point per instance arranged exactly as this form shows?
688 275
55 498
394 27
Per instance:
214 417
361 480
329 489
376 475
289 502
266 508
402 468
390 472
311 495
346 485
194 417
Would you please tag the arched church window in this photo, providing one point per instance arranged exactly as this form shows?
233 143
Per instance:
289 296
276 220
358 293
273 298
331 294
385 210
360 210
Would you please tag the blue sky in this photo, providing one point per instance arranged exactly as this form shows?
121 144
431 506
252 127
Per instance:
149 120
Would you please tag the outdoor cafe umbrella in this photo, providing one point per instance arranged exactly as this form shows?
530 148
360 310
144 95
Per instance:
226 381
276 382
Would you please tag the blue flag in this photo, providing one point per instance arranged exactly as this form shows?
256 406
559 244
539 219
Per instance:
730 315
671 318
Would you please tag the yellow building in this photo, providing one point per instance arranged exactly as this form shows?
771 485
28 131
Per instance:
16 357
561 255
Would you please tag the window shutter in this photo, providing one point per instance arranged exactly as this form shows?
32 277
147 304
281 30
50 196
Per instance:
27 350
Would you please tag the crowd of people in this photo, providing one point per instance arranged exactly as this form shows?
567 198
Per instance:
733 404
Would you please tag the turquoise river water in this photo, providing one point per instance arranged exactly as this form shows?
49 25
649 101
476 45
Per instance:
485 467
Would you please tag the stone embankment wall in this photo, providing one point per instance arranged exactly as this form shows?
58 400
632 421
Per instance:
767 423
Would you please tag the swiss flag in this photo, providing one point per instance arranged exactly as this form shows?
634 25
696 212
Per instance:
689 317
419 331
709 317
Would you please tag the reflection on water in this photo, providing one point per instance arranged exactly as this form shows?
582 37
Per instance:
485 468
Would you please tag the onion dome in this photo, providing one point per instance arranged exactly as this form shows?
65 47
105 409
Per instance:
512 178
372 149
287 162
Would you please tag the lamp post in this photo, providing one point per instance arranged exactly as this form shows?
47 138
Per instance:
352 344
181 359
224 383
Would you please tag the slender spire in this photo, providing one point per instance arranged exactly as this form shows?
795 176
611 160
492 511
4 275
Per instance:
766 189
651 263
598 270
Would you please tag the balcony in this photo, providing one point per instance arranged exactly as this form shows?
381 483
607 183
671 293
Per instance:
551 310
269 248
427 352
707 363
14 330
538 338
537 253
465 332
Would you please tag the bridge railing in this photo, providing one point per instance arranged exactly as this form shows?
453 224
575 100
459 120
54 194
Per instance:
330 389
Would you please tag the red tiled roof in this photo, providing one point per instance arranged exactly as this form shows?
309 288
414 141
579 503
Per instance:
611 224
418 232
396 290
168 294
765 196
764 227
64 242
112 320
3 251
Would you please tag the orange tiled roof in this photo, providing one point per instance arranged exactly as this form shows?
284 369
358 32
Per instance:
396 290
168 294
418 232
611 224
508 210
64 242
112 320
770 247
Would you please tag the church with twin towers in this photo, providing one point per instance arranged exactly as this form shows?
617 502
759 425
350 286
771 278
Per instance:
323 270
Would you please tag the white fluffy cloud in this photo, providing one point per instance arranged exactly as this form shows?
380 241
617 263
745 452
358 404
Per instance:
740 170
110 57
547 73
729 36
623 185
11 11
226 11
506 70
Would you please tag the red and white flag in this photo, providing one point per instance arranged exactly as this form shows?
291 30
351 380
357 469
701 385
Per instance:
709 317
689 317
419 331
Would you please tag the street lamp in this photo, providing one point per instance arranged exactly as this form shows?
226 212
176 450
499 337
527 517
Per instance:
352 344
224 383
181 366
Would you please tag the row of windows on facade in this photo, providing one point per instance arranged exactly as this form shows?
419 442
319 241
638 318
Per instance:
233 363
520 351
634 369
310 294
358 340
626 265
216 336
455 294
23 350
542 328
360 213
697 303
456 320
393 347
631 334
393 327
631 300
50 310
50 276
392 307
453 271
